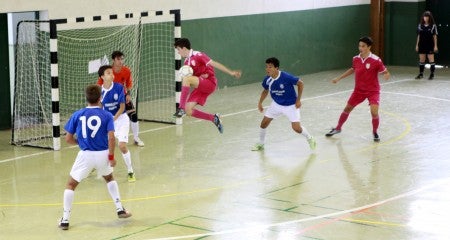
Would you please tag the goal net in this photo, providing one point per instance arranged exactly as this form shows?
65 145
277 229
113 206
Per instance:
146 41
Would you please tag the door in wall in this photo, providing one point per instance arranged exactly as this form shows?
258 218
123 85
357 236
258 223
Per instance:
441 10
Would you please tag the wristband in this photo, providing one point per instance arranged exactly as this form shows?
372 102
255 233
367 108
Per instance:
111 157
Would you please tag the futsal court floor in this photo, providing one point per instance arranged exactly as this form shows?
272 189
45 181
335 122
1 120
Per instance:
194 183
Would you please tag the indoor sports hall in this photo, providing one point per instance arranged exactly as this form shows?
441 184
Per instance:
193 182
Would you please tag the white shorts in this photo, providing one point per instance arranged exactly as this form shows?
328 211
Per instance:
275 110
122 128
86 161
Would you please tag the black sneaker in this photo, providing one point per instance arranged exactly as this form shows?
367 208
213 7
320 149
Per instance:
376 138
63 224
419 76
179 113
218 123
332 132
431 76
123 213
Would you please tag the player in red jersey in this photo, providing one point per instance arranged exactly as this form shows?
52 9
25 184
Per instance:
203 81
366 67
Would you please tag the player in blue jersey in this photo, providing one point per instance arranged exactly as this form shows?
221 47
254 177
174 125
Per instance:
94 131
113 101
281 86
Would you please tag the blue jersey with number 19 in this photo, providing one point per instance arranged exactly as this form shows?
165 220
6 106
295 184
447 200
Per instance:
91 125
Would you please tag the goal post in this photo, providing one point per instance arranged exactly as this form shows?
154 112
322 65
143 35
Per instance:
66 59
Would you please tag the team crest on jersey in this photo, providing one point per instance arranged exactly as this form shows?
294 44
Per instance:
367 65
116 96
193 63
281 86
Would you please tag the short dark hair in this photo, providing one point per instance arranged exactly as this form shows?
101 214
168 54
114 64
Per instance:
274 61
116 54
183 42
367 40
93 93
102 69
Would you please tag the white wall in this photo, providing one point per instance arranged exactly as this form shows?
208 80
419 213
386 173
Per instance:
190 9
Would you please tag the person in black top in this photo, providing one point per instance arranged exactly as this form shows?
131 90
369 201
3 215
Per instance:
426 44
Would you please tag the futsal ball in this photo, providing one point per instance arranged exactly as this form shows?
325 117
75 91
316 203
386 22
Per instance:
186 71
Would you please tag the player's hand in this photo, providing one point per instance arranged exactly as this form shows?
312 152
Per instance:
127 98
112 161
335 80
298 104
237 74
386 75
417 48
260 107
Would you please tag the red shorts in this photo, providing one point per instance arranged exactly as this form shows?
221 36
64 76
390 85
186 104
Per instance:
205 88
358 97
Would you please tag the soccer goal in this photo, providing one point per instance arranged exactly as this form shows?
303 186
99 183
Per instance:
57 59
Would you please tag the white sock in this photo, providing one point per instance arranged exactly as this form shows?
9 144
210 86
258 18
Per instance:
135 129
127 160
305 133
113 190
262 135
67 206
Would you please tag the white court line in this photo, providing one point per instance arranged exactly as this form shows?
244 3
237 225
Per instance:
241 112
266 226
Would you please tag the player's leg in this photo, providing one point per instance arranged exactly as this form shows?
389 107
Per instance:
80 170
265 122
374 102
432 65
293 114
187 83
272 112
422 58
352 102
122 128
113 189
132 114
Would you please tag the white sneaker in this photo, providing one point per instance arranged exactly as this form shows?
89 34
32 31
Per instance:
139 142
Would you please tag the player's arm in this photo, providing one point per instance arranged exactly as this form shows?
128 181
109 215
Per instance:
221 67
120 111
263 96
70 139
298 102
344 75
435 43
386 74
111 148
417 42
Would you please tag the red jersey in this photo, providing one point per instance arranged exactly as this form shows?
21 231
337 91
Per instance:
366 73
123 77
200 64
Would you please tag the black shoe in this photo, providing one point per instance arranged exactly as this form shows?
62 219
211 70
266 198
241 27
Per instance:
179 113
63 224
419 76
376 138
123 213
431 76
332 132
218 123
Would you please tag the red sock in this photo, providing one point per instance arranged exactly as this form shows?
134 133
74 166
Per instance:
184 95
202 115
342 119
375 124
